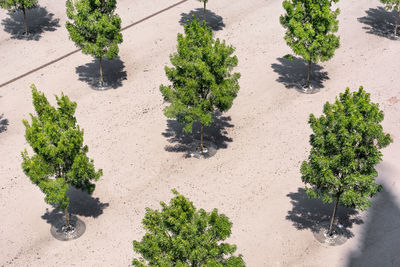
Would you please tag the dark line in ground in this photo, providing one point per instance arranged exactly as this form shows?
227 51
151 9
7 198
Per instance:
77 50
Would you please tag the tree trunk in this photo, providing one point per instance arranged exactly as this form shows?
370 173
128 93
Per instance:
333 215
201 137
204 11
397 24
101 71
26 25
308 74
68 227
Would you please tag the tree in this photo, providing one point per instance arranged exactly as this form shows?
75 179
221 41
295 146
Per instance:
95 28
201 77
15 5
345 147
204 8
181 235
60 159
393 5
310 26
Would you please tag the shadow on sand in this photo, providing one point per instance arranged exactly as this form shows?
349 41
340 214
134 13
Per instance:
181 142
380 22
293 73
3 123
308 213
81 204
113 73
212 20
379 240
38 20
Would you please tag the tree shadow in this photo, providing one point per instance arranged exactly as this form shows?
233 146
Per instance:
381 234
308 213
182 142
38 20
3 123
293 73
81 204
212 20
380 22
113 73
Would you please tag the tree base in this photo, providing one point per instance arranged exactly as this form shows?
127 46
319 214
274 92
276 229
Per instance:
60 232
21 34
209 150
310 89
101 86
336 239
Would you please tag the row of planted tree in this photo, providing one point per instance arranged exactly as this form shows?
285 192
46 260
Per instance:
345 143
96 29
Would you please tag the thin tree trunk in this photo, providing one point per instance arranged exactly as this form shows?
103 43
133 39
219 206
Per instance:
204 11
308 74
101 72
333 215
67 219
201 137
397 24
26 25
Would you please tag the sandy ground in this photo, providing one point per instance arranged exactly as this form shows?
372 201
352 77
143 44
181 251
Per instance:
254 178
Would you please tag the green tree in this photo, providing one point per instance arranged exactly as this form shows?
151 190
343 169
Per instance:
180 235
393 5
16 5
60 158
201 77
95 28
310 26
345 147
204 7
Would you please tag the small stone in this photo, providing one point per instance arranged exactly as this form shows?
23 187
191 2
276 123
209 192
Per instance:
393 100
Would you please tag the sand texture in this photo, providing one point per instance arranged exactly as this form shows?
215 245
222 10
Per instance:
254 177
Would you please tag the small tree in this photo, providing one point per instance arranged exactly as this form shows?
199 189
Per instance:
16 5
60 158
95 28
181 235
204 8
201 77
393 5
344 151
310 26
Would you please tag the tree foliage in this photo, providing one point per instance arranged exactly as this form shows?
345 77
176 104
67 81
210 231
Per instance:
15 5
310 26
345 147
181 235
201 77
59 159
94 27
393 5
19 5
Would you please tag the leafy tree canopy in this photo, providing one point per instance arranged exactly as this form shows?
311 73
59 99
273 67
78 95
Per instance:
310 26
201 77
94 27
345 147
59 159
181 235
14 5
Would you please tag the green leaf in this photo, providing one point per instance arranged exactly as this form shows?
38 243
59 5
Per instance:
60 157
181 235
345 148
201 77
